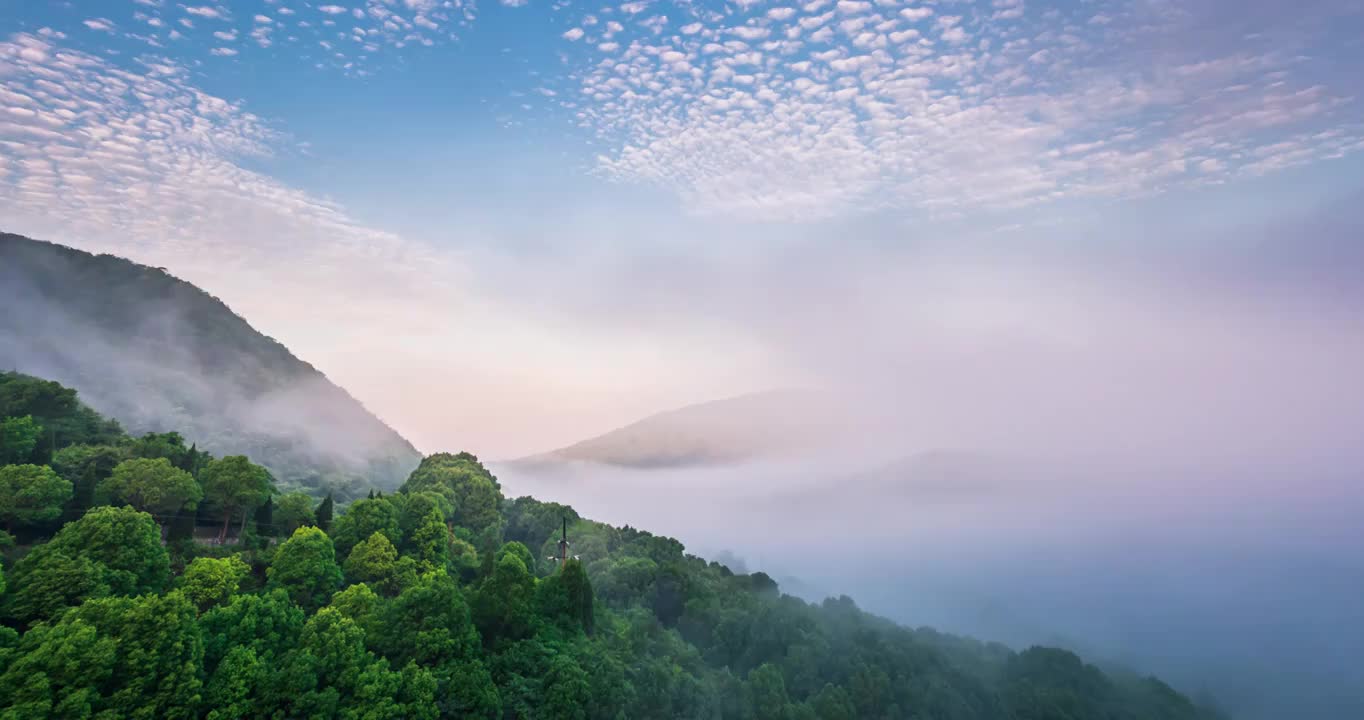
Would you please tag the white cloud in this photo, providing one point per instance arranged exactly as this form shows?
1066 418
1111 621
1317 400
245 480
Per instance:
228 35
852 109
100 24
205 11
332 9
574 34
223 51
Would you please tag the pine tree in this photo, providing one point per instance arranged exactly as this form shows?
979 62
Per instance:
324 514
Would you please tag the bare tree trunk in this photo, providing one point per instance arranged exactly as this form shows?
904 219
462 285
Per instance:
246 513
222 535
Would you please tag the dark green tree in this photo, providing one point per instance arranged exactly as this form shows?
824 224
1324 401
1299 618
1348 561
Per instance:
503 607
293 511
234 485
85 466
265 518
212 581
566 598
305 567
361 520
154 486
31 494
375 562
18 439
324 514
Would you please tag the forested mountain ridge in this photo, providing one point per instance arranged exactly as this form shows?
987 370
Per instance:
160 354
438 601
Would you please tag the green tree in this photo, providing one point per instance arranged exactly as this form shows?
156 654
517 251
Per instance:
235 486
268 624
122 539
413 509
231 690
832 703
503 607
567 693
305 567
53 581
364 518
429 541
134 658
18 438
265 518
168 446
293 511
566 597
429 623
324 514
766 693
150 485
212 581
58 672
474 492
85 466
56 409
375 562
31 494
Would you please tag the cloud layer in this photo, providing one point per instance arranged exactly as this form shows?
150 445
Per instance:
812 110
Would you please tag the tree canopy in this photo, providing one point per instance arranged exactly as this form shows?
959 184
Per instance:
396 614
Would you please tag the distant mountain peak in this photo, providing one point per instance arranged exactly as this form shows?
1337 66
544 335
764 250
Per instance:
752 426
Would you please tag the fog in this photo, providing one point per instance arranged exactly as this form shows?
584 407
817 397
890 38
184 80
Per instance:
160 356
1251 596
1150 457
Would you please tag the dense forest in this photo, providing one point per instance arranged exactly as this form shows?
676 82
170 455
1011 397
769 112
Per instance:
144 578
162 355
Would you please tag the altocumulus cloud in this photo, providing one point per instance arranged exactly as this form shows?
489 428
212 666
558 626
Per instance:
113 155
811 111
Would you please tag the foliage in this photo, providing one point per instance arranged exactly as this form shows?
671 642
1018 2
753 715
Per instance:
305 567
362 519
412 625
56 409
292 511
152 485
473 491
18 438
85 466
212 581
324 513
31 494
234 485
375 562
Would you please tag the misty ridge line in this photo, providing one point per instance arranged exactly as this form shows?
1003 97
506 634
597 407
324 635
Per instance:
159 353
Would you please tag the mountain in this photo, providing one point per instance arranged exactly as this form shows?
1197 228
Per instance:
736 429
441 600
159 354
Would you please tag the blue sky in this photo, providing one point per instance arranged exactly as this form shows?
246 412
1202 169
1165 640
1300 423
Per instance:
590 193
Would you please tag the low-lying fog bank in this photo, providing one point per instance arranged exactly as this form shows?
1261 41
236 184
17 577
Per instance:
1240 583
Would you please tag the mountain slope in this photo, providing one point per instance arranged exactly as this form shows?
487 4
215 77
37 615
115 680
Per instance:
157 354
734 429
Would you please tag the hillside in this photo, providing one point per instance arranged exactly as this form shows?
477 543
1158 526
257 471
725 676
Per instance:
159 354
440 600
746 427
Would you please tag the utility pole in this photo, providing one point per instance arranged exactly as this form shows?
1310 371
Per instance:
562 558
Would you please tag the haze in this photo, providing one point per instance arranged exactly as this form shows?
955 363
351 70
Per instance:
1111 251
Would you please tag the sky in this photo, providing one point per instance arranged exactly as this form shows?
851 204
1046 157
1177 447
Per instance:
509 225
